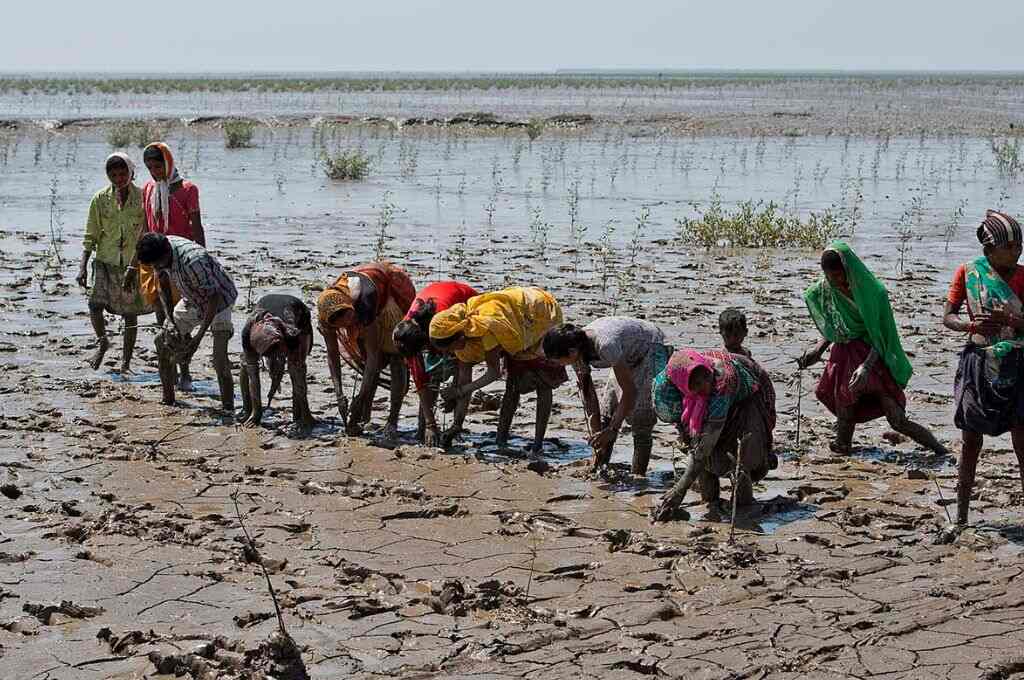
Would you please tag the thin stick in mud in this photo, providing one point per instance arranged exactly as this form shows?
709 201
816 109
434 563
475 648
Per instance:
263 568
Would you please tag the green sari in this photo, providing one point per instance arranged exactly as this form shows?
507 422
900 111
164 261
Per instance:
868 316
987 291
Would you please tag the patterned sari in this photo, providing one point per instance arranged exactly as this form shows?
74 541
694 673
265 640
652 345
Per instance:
988 393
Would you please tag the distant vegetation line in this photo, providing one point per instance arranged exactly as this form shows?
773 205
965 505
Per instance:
384 82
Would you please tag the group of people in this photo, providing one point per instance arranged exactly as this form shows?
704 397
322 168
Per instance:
150 257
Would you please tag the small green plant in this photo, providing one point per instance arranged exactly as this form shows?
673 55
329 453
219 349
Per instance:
352 164
385 219
904 227
1007 156
954 221
756 225
128 133
238 134
534 129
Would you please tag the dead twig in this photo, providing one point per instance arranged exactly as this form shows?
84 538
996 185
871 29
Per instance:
259 560
941 498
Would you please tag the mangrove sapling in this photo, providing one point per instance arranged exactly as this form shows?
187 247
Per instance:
346 165
954 222
606 256
238 134
539 231
904 228
56 226
385 218
640 224
1007 156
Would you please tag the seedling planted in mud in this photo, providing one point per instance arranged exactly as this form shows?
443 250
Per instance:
384 221
954 221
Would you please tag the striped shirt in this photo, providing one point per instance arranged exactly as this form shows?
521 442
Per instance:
198 276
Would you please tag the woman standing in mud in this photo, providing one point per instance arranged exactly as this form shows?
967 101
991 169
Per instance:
867 368
504 325
635 351
115 223
430 369
172 208
280 332
726 403
989 388
357 316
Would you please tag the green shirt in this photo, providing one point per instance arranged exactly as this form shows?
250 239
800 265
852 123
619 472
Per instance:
112 230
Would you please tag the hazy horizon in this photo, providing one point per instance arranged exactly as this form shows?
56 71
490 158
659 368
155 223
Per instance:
467 36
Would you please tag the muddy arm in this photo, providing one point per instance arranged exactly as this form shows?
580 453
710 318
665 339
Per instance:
463 377
493 373
330 336
698 461
363 403
249 383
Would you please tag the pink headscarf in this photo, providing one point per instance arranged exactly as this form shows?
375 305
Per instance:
269 330
695 406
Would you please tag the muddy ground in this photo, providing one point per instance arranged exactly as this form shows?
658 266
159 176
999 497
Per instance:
121 553
122 556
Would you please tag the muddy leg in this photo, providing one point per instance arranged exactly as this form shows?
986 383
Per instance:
643 441
898 421
968 465
509 406
710 489
301 415
243 386
1017 434
399 387
131 330
99 326
166 367
184 373
222 366
844 433
544 399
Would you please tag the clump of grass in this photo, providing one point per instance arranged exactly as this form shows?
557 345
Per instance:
132 133
756 225
238 134
346 165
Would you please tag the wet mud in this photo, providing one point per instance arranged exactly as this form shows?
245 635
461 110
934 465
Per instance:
122 554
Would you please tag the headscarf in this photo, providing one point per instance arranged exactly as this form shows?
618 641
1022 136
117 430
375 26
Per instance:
998 229
332 300
268 330
867 316
514 319
121 155
159 200
695 405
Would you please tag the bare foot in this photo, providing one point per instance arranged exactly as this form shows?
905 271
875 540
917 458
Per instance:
126 370
184 381
97 357
390 435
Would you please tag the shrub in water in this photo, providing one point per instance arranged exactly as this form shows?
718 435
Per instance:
757 225
132 133
238 134
346 165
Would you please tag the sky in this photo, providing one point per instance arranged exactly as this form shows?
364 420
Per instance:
525 35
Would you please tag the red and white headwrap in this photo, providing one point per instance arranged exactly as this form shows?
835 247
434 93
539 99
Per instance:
159 200
998 229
